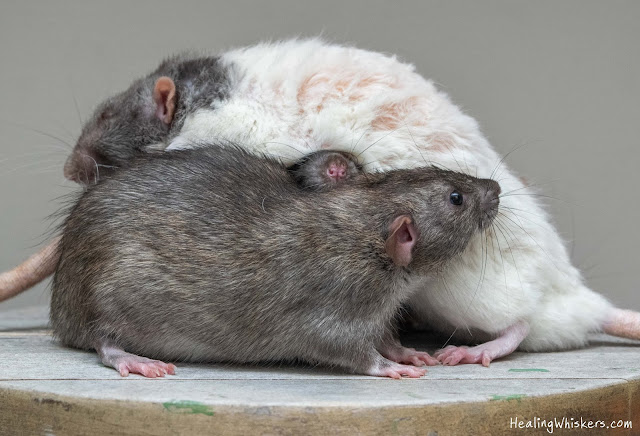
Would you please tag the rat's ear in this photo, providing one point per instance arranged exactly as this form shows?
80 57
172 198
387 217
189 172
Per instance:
401 241
164 96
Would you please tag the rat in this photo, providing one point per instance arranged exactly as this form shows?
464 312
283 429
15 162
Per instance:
217 255
515 285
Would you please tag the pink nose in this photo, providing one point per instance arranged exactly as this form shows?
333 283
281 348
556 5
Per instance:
336 171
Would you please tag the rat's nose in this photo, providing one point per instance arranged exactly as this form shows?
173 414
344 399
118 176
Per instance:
70 172
81 168
336 171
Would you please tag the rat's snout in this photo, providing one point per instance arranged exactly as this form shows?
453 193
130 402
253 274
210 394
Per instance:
489 201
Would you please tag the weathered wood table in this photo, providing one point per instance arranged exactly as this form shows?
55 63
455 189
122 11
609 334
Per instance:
46 389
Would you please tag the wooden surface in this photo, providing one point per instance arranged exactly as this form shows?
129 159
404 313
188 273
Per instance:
48 389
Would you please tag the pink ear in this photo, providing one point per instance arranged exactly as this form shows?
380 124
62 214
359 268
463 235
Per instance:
401 241
164 96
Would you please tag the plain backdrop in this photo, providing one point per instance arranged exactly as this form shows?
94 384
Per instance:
559 78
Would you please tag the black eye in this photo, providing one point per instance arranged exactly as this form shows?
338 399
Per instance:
456 198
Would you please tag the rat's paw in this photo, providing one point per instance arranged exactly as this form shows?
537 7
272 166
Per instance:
396 371
411 356
453 355
143 366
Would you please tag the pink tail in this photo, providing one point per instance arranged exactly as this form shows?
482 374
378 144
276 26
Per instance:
623 323
30 272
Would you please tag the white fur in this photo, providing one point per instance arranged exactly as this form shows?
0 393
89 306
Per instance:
297 96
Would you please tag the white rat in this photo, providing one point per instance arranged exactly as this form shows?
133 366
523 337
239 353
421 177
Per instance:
514 286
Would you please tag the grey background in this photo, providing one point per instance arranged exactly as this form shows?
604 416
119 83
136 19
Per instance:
559 77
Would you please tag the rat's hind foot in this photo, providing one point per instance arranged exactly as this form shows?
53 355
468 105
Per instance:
487 352
126 363
453 355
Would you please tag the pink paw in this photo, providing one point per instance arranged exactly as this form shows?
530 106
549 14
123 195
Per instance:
453 355
143 366
397 370
411 356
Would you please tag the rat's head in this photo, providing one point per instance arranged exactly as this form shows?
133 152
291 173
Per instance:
122 127
444 211
325 169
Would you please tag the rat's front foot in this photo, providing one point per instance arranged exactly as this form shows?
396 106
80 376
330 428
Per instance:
127 363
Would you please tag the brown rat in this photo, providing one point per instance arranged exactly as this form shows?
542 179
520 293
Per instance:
215 254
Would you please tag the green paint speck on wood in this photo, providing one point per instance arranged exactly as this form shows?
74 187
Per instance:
528 370
186 406
507 397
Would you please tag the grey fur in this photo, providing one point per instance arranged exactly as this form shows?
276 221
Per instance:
214 254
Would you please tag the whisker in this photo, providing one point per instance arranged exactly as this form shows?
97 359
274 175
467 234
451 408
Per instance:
416 144
378 140
75 103
360 138
522 210
505 156
533 194
521 217
535 242
500 228
531 185
40 132
286 145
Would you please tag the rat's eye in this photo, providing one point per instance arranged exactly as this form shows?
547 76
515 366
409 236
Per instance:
455 198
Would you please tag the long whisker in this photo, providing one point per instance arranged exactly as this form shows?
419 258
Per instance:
353 146
483 244
286 145
531 185
499 226
75 103
378 140
504 270
533 194
505 156
535 242
508 209
40 132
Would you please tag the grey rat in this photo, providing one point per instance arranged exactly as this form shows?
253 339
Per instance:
145 116
215 254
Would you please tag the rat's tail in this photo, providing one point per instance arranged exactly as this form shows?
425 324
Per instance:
623 323
30 272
